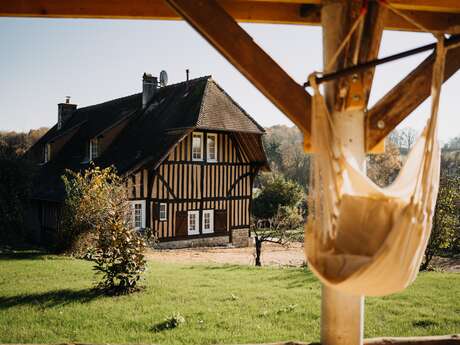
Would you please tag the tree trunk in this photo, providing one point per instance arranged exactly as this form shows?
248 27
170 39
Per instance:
426 261
258 250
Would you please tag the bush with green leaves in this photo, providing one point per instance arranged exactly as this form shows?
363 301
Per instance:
445 232
276 191
97 207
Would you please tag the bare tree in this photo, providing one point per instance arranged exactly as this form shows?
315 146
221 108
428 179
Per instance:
408 136
280 229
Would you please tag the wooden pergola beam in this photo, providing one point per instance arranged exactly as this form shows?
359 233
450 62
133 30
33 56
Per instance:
258 12
370 42
221 30
407 95
444 18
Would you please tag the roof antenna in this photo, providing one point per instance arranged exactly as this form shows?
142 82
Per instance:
187 73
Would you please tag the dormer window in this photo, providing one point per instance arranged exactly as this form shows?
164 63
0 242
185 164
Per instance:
211 145
197 147
93 149
47 153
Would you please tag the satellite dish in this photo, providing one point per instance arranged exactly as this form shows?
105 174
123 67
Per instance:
163 78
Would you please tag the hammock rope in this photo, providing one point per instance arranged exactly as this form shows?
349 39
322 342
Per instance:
361 238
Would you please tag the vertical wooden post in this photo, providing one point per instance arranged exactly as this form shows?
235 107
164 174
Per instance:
342 315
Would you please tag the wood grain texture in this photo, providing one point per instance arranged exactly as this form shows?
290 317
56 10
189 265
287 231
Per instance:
221 30
437 16
407 95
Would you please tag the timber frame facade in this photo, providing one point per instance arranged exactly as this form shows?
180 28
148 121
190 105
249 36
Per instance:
182 184
188 151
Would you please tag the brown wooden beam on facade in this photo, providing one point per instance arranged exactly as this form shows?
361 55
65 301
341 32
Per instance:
393 108
221 30
443 18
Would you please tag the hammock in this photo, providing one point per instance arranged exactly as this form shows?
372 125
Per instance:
360 238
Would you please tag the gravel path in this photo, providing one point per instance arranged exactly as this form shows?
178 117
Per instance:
272 255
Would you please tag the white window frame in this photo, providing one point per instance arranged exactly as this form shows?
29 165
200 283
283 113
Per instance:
93 145
47 153
163 214
200 135
133 214
214 136
210 230
196 230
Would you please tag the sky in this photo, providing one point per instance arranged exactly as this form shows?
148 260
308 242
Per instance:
44 60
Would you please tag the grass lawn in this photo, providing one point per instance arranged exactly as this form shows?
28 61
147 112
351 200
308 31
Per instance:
48 299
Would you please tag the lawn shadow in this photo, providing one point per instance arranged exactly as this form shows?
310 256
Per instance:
50 299
226 267
22 255
296 279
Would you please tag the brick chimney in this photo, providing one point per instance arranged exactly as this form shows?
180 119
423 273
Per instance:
65 111
149 87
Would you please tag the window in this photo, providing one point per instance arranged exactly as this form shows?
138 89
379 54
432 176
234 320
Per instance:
163 211
192 221
138 214
47 153
197 147
208 221
93 149
212 147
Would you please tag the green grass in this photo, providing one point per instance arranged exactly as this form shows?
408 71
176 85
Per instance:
48 299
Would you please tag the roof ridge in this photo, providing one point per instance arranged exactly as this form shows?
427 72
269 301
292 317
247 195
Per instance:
188 81
238 105
200 111
140 93
109 101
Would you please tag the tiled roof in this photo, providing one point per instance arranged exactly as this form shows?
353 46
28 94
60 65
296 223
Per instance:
150 133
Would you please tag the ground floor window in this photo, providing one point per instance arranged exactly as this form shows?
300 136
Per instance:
138 214
193 220
163 211
208 221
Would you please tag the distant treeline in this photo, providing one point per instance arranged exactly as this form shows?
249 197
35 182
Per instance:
284 148
16 175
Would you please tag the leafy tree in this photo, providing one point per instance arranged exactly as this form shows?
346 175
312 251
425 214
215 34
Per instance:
446 220
276 212
276 191
16 174
97 204
284 148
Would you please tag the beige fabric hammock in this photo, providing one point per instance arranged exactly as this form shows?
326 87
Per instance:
360 238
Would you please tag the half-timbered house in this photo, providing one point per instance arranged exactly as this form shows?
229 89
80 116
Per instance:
189 152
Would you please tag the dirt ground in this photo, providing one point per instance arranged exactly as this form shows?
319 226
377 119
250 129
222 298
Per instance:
272 255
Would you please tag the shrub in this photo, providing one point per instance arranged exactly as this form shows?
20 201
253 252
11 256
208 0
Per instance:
97 209
446 220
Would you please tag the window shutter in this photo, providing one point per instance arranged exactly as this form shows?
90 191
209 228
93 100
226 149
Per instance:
220 221
155 211
181 223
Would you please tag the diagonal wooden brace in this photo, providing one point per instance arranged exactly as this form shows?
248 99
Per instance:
235 44
407 95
